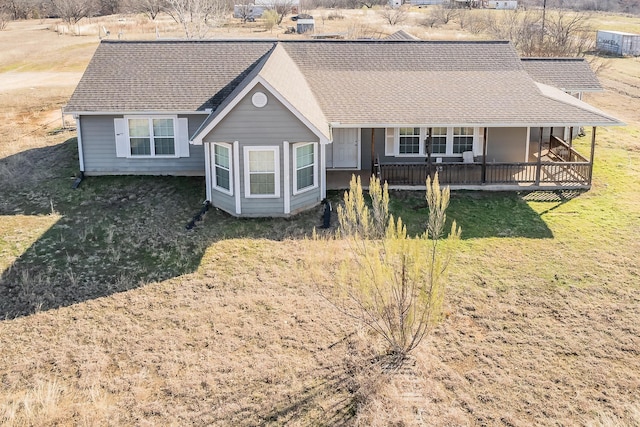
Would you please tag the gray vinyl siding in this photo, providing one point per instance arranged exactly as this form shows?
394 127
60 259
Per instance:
305 200
223 201
535 134
506 144
270 125
99 149
365 146
328 149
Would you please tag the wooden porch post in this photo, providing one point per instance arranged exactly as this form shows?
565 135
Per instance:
571 136
484 155
593 150
539 166
428 150
373 150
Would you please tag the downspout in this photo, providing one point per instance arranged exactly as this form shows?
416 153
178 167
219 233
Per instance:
80 177
593 151
80 150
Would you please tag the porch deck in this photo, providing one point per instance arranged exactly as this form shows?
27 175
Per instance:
559 167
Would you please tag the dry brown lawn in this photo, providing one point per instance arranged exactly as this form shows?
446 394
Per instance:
235 330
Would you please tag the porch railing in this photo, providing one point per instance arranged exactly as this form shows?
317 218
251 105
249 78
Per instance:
563 151
559 173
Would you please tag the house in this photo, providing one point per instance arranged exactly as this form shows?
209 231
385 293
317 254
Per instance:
618 43
571 75
271 125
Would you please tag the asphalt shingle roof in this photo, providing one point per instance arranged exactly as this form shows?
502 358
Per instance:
568 74
369 82
164 75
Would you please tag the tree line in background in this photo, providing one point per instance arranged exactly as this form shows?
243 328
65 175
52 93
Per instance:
73 10
561 33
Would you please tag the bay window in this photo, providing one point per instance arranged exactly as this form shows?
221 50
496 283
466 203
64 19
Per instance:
304 164
222 177
261 172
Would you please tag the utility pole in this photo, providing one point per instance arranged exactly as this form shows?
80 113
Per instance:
544 12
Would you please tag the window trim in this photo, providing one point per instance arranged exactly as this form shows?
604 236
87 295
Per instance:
214 165
396 137
297 145
176 148
421 137
454 135
247 184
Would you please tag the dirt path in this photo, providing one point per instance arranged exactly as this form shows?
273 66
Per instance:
14 80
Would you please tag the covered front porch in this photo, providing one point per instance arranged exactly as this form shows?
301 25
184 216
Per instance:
551 163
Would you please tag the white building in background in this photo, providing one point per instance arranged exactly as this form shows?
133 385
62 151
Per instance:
502 4
618 43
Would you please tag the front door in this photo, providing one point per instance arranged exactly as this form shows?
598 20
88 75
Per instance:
346 148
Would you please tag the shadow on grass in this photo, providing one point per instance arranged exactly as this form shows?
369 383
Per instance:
479 214
118 233
113 233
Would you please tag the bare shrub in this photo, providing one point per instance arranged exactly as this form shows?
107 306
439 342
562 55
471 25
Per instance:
335 15
3 21
393 283
362 31
394 15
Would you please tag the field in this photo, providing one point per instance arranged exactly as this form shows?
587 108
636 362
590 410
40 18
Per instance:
111 313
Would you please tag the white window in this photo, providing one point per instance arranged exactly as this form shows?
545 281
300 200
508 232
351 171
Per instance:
462 140
261 172
445 141
156 136
222 174
152 136
304 164
409 141
438 140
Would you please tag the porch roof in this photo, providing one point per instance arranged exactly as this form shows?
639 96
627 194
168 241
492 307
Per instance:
437 83
568 74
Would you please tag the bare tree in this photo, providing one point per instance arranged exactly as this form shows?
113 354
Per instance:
245 11
441 14
21 9
197 16
566 34
72 11
151 8
394 15
282 8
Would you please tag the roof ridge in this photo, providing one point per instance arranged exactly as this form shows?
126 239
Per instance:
323 41
187 41
552 58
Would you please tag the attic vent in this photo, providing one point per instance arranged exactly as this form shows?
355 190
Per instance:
259 99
